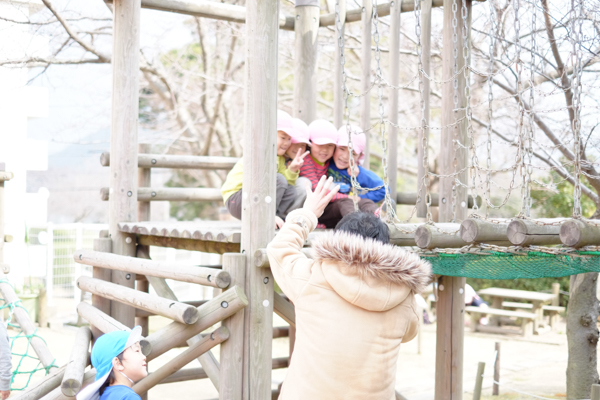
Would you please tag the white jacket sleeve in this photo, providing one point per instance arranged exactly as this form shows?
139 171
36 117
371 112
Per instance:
5 359
290 267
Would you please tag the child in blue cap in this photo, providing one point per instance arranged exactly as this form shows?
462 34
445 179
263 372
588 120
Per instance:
119 362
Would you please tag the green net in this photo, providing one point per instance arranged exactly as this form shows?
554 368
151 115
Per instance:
27 363
499 265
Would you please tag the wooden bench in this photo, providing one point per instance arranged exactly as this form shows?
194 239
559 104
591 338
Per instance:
527 319
551 311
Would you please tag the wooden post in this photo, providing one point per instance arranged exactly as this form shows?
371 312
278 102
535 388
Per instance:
258 205
73 378
202 346
426 6
143 214
441 235
338 86
522 232
365 80
556 293
496 387
595 392
305 60
123 141
451 303
576 233
392 163
28 327
43 308
232 350
174 310
478 381
474 230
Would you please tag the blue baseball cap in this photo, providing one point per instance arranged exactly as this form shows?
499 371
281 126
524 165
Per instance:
106 348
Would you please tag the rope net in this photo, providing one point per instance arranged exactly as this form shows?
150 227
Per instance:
27 362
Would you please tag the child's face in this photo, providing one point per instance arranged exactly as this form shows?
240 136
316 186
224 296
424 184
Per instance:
283 142
341 157
134 363
322 152
293 149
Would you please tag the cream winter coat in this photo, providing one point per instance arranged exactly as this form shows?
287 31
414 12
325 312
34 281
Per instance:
354 306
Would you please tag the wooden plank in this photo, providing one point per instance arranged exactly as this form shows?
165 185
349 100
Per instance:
522 232
179 272
394 80
410 199
174 310
175 334
516 294
576 233
338 86
478 381
147 161
184 375
105 323
73 378
28 327
123 140
230 381
422 180
305 61
258 207
284 309
171 194
365 78
189 244
223 231
202 346
503 313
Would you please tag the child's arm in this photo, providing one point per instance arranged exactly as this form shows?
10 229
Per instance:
282 169
368 179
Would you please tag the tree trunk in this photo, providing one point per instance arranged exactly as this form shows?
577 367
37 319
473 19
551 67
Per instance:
582 336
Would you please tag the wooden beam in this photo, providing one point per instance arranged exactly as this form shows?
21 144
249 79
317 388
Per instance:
179 272
522 232
184 375
39 389
174 310
443 235
453 204
230 380
143 214
189 244
123 140
73 378
410 198
403 234
57 394
284 309
422 180
576 233
258 205
202 346
28 327
175 334
305 61
171 194
177 161
105 323
338 86
365 78
394 79
144 314
474 230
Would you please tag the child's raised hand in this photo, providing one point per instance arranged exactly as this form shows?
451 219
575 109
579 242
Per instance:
319 199
278 222
297 162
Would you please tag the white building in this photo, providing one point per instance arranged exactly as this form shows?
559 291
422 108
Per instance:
19 103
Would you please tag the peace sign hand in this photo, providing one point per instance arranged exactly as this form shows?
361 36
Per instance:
297 162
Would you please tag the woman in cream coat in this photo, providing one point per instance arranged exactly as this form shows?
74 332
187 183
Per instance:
354 303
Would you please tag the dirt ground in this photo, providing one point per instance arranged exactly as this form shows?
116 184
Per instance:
534 366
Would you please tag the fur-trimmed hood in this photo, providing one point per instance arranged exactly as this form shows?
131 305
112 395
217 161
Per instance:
368 273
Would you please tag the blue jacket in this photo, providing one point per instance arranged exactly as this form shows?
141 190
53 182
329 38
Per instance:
366 179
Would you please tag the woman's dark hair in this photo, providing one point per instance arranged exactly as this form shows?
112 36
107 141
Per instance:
111 378
366 225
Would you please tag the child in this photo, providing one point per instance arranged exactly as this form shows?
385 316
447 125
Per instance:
324 138
354 303
286 175
300 140
339 169
119 362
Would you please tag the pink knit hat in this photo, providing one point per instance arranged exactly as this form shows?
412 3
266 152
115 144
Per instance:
284 123
359 139
301 132
322 132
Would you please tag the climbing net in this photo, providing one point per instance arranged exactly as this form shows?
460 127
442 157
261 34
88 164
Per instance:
27 362
522 97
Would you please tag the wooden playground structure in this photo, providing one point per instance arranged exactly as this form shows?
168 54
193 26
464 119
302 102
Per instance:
123 271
